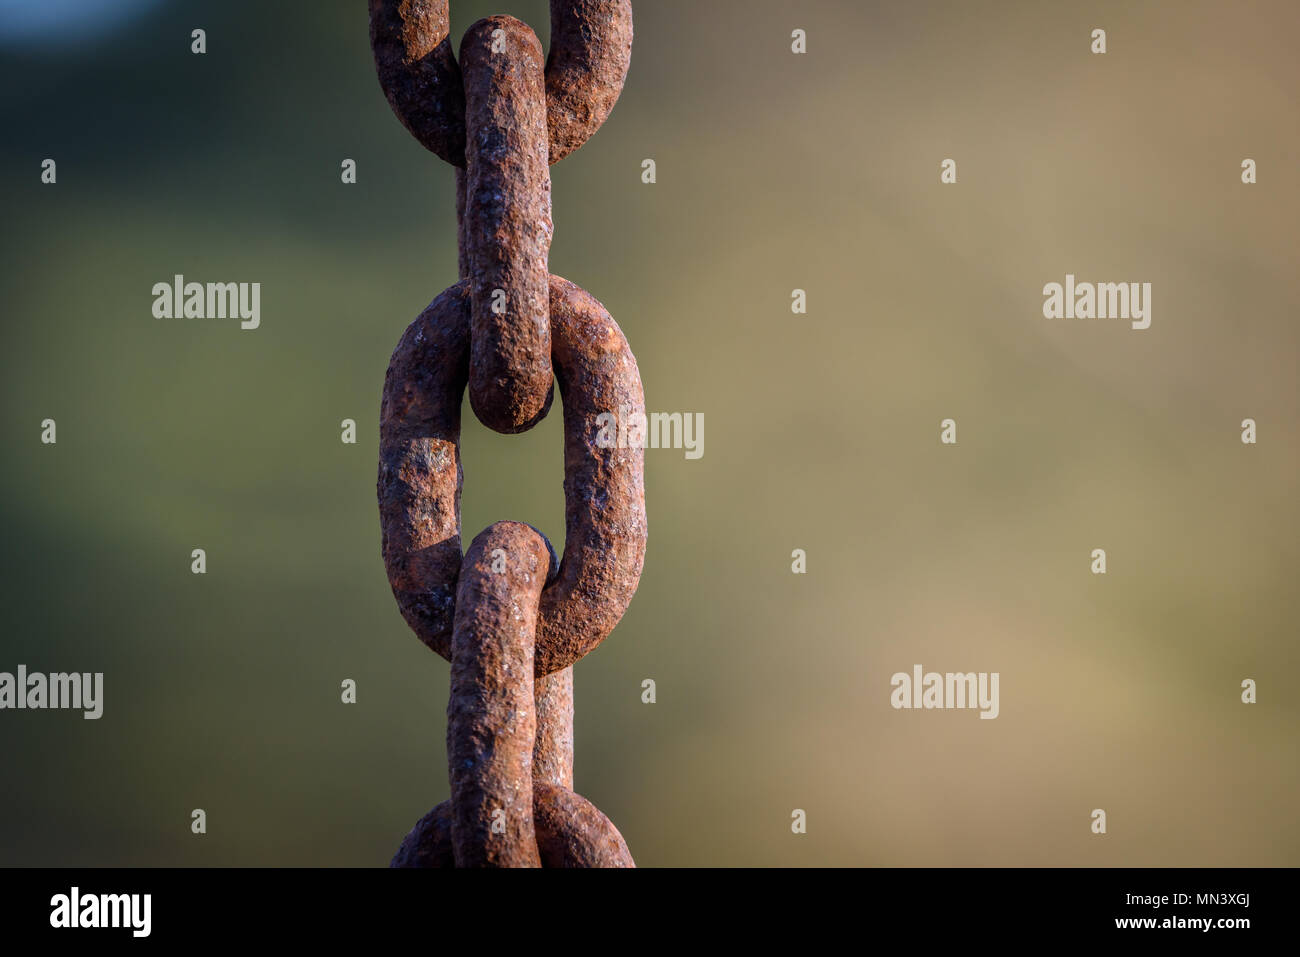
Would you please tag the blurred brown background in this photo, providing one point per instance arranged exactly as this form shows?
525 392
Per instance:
775 171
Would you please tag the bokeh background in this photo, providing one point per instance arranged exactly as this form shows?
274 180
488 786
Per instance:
775 171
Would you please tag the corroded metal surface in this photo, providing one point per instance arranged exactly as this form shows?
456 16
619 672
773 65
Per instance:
418 72
553 749
591 47
429 842
491 724
570 830
506 227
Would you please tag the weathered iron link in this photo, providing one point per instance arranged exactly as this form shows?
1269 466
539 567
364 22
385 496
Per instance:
571 832
491 725
509 616
591 47
418 72
506 226
420 474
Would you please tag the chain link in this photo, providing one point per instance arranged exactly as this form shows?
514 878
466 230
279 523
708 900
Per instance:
507 224
509 617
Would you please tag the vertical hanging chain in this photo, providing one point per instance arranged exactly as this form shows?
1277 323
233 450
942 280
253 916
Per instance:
509 616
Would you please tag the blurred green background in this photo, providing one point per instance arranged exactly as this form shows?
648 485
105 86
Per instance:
775 171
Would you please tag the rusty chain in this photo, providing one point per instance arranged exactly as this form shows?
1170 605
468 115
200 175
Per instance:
509 617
